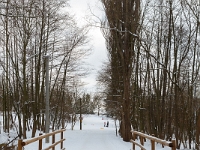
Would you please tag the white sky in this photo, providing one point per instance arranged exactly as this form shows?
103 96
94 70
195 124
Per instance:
99 54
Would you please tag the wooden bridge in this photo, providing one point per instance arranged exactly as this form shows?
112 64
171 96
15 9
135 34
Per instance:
22 143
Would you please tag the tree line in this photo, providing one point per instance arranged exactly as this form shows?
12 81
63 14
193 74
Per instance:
31 30
151 81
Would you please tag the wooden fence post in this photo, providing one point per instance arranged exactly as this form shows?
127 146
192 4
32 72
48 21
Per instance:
134 137
40 143
19 144
152 144
61 136
53 141
142 140
173 144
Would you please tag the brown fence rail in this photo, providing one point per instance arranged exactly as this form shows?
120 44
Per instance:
22 143
153 139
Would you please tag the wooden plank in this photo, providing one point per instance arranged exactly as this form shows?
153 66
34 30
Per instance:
142 147
53 145
163 142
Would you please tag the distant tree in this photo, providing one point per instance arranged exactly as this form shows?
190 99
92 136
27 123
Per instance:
97 102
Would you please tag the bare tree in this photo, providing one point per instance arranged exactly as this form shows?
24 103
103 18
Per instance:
123 18
32 30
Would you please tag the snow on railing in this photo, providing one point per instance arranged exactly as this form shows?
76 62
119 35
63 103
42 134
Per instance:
153 139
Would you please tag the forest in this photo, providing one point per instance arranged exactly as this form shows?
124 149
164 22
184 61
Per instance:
42 49
150 82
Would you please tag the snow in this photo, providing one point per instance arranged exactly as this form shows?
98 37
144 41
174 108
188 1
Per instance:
2 138
93 136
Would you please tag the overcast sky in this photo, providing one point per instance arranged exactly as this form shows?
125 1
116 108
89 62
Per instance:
99 55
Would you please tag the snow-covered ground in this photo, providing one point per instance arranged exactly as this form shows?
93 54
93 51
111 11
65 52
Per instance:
93 136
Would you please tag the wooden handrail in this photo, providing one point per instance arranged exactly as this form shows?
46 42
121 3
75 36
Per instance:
22 143
142 147
53 145
153 139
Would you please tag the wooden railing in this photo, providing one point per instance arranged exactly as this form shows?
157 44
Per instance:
22 143
153 139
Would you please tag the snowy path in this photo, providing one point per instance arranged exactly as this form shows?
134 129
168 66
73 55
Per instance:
94 136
